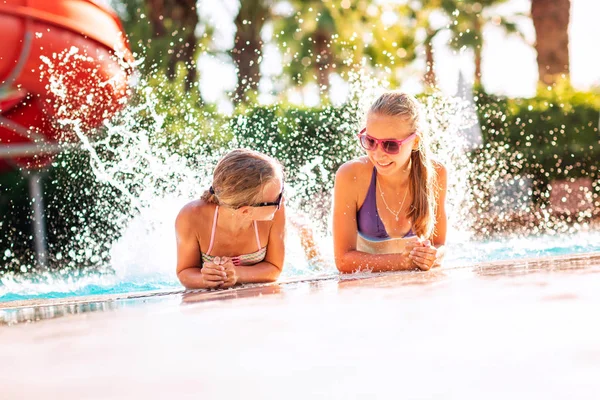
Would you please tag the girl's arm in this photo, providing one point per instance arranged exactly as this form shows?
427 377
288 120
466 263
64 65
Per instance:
433 253
190 272
441 220
345 230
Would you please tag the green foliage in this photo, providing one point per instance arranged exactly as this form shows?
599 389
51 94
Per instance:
322 37
299 137
83 215
166 35
467 21
187 124
556 132
552 136
78 235
15 211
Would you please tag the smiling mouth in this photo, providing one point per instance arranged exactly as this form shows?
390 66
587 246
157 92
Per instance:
383 164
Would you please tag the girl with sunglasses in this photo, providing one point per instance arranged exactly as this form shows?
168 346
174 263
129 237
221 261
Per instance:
235 232
388 212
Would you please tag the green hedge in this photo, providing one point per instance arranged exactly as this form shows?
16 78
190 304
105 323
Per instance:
299 137
82 217
556 132
15 215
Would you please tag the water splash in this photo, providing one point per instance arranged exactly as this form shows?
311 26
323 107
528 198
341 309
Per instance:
144 172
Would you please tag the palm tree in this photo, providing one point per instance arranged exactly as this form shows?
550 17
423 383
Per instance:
551 22
468 17
421 13
170 38
305 38
322 37
247 49
430 79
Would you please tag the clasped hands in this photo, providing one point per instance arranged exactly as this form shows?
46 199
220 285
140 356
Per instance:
424 255
219 273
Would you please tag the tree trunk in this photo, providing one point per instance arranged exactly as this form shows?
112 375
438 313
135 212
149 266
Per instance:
429 79
478 49
156 11
185 13
477 79
185 19
247 48
185 52
551 22
324 59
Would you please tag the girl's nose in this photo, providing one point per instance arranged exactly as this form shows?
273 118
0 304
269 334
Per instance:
378 153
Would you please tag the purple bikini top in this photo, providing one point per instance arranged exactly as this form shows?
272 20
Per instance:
370 226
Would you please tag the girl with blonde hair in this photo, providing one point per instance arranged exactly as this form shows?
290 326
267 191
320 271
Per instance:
389 212
235 232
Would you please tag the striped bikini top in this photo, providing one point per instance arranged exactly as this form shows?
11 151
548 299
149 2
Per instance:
243 259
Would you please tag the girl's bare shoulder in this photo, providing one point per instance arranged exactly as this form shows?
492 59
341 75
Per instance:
196 210
355 169
441 176
440 169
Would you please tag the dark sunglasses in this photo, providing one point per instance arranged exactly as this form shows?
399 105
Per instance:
276 203
390 146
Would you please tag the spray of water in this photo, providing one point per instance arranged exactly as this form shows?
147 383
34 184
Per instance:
143 174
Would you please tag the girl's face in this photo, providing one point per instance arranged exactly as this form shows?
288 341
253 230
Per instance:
396 128
272 192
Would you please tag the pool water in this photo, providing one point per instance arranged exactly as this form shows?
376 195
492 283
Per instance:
162 277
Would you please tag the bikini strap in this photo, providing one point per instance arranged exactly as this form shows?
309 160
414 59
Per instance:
373 184
257 237
212 234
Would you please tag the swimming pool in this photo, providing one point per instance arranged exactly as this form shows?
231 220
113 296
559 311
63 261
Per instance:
145 275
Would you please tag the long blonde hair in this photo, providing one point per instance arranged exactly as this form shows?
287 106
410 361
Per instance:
423 180
240 176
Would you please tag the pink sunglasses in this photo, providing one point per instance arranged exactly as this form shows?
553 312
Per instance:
390 146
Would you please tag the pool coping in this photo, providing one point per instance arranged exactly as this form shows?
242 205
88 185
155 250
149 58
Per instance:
79 300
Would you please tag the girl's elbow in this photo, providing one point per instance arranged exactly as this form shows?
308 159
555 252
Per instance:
344 269
187 281
274 275
344 265
186 284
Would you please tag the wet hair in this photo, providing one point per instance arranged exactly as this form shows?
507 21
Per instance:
423 180
239 178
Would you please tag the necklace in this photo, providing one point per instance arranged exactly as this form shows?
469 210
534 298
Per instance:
397 213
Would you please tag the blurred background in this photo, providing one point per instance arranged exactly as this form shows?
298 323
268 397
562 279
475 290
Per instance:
300 47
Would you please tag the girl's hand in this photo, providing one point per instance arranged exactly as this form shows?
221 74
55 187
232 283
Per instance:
213 273
231 274
424 256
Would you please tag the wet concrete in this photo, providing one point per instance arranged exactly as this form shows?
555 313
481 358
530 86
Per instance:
527 329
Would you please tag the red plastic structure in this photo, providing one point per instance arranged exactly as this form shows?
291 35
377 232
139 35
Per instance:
58 59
